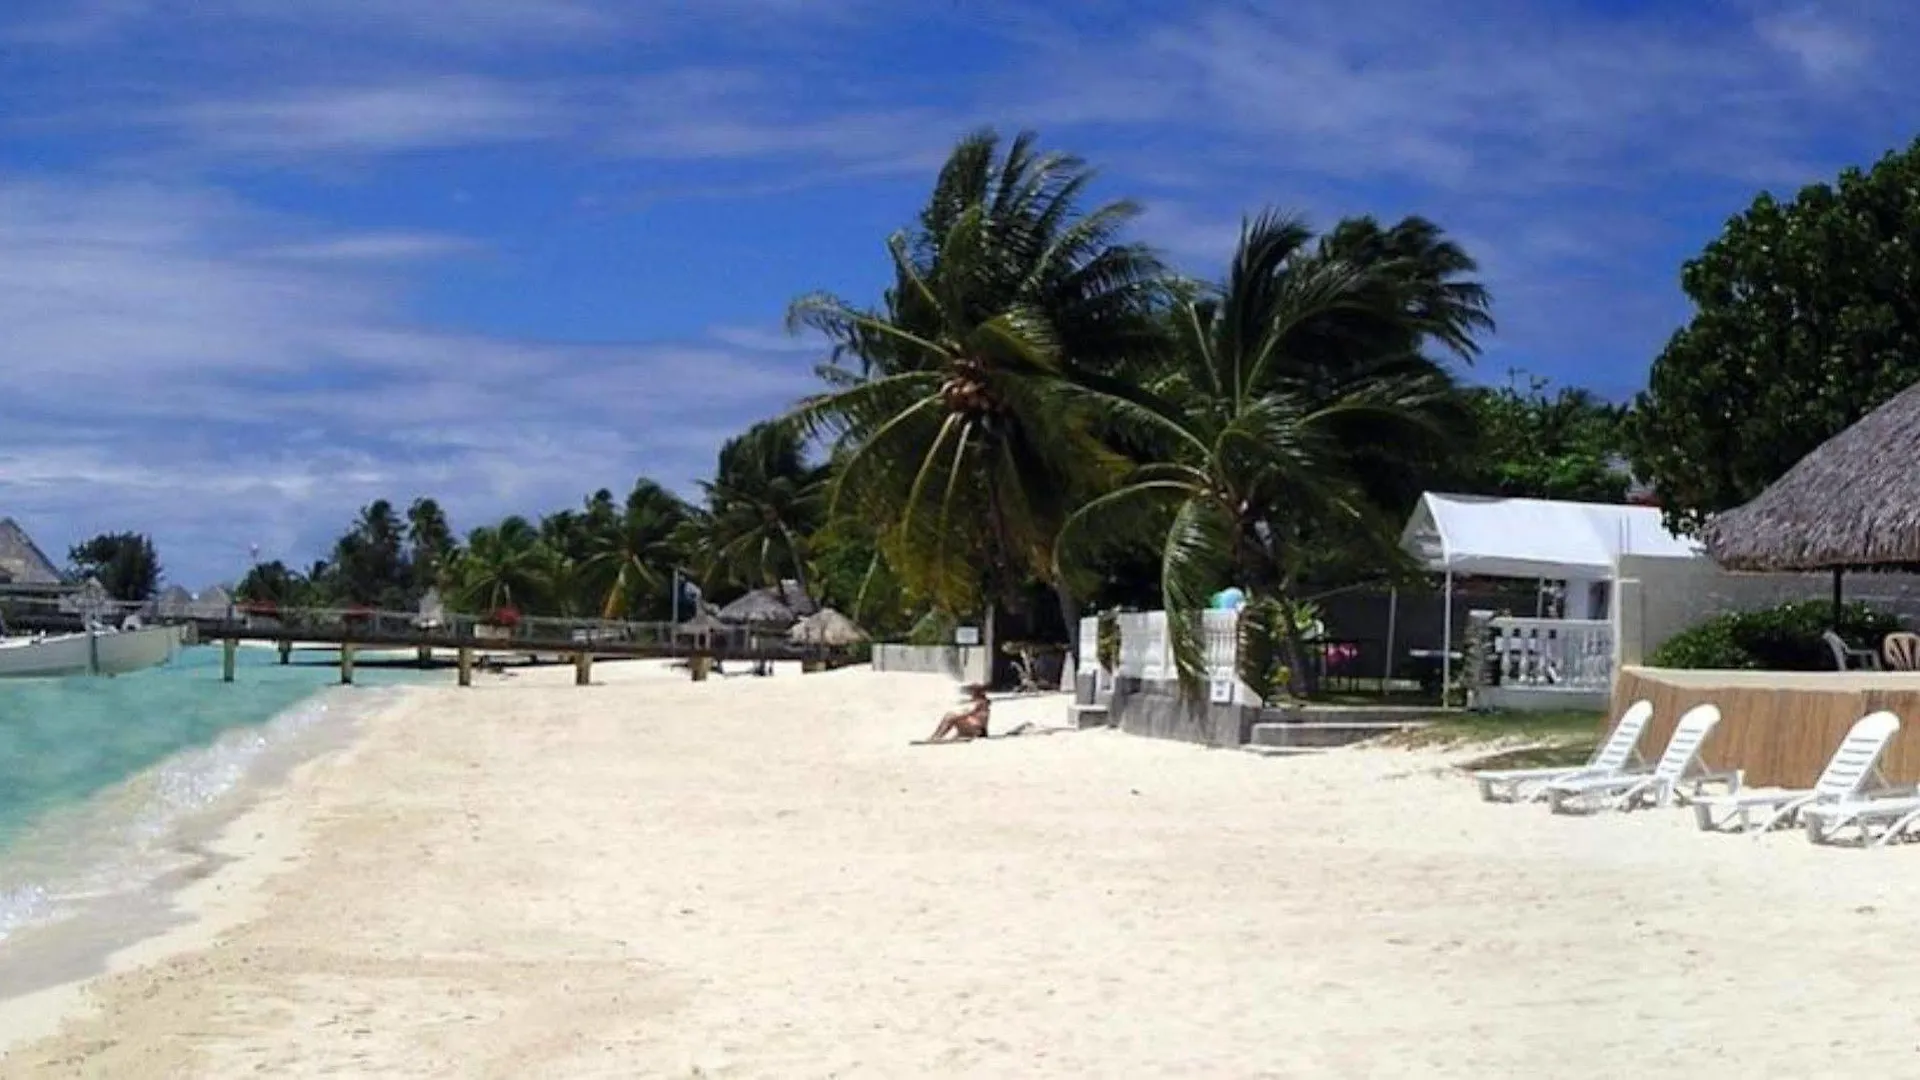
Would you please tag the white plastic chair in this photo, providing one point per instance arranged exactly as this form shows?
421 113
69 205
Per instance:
1852 775
1678 775
1618 756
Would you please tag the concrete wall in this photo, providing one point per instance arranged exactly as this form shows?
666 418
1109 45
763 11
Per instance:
967 663
1658 598
1159 710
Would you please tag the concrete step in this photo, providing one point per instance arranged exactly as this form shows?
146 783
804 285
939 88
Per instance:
1087 716
1315 735
1283 751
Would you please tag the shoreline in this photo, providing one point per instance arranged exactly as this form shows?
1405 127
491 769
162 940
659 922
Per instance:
227 850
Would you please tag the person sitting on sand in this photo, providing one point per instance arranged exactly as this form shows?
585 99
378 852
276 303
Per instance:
967 723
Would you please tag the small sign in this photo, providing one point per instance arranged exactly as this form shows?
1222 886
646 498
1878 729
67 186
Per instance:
1221 691
966 635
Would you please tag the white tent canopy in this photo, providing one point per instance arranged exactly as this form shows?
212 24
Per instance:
1535 538
1491 536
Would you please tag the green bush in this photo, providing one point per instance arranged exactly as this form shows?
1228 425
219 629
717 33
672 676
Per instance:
1784 638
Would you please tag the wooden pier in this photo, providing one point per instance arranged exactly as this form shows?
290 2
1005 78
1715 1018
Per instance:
352 631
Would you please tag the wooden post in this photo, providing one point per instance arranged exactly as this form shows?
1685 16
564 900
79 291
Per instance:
582 669
286 652
699 663
466 666
229 653
346 663
424 654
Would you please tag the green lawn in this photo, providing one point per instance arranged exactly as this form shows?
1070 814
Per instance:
1563 738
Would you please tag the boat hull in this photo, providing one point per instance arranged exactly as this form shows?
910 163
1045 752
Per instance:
108 653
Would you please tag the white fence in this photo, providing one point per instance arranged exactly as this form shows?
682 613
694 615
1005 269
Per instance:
1146 653
1548 663
1572 654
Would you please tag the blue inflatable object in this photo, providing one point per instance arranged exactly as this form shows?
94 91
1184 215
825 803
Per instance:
1229 599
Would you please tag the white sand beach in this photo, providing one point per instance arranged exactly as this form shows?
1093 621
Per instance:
760 877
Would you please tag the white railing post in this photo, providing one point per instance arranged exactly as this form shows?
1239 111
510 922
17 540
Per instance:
1553 654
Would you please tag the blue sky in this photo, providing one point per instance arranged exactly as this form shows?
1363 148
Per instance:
262 261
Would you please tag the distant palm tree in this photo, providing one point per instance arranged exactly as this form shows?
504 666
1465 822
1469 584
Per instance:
959 431
430 542
762 505
503 565
1253 431
632 555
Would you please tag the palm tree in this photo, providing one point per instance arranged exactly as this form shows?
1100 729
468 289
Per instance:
430 542
763 503
633 554
1253 428
503 565
960 432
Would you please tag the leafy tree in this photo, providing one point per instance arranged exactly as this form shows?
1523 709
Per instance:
961 430
277 584
1806 318
632 556
430 543
1567 446
369 564
503 565
126 564
1259 462
763 503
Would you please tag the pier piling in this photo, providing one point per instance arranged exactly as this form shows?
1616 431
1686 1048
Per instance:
582 669
466 666
286 652
346 663
229 653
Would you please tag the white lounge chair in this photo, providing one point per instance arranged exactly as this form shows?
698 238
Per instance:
1852 775
1618 756
1679 774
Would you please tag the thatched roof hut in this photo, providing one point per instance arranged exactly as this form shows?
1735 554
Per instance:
826 627
214 602
1853 502
21 560
700 625
779 607
174 602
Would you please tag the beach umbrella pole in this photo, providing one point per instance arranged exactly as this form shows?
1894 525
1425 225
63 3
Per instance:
1446 641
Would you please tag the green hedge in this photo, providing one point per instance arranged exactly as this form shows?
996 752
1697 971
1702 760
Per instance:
1784 638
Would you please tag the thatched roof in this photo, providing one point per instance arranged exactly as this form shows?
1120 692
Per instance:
21 560
826 627
781 606
703 623
174 602
1853 502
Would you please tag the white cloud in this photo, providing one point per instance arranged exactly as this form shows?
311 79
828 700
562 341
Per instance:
415 114
377 248
165 370
1825 49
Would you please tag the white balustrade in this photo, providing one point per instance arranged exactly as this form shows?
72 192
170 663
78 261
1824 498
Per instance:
1549 654
1089 655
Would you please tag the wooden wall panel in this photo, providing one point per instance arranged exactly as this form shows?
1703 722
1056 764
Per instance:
1780 735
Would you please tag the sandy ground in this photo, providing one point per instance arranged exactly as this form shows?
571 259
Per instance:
759 877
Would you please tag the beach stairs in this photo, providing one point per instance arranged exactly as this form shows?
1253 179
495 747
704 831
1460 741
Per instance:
1311 729
1084 716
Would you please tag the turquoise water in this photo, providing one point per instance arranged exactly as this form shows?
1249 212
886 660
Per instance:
95 774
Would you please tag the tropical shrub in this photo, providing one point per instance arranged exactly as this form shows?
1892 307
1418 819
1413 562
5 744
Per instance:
1783 638
1107 643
